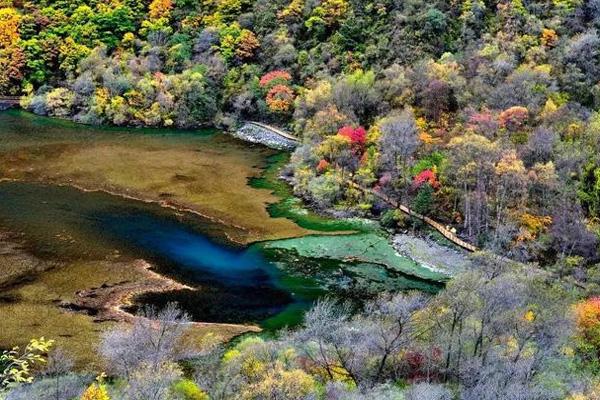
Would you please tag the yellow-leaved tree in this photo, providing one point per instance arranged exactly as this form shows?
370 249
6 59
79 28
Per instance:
16 364
9 27
95 392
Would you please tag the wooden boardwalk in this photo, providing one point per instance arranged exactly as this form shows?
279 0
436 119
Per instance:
448 234
12 100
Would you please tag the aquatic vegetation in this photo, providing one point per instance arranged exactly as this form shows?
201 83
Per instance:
368 248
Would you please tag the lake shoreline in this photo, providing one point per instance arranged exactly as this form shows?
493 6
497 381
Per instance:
162 203
110 301
107 302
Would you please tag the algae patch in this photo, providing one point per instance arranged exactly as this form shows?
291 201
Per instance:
370 248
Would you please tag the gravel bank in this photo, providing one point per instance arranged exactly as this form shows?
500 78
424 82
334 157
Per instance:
431 254
256 134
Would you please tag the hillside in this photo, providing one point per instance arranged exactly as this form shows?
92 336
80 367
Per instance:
483 115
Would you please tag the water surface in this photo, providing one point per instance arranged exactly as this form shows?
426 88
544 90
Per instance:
266 283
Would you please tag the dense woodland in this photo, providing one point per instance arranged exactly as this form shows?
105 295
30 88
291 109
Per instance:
482 114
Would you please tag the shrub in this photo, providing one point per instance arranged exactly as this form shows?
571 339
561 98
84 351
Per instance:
188 390
95 392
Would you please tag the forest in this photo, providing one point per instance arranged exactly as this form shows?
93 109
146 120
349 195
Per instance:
483 114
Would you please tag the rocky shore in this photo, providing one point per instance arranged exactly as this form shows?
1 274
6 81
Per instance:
257 134
430 254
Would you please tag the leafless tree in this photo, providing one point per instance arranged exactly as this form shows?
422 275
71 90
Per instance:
153 339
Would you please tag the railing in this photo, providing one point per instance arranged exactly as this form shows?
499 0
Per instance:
434 224
10 99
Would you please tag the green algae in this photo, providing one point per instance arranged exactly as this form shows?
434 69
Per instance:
292 208
370 248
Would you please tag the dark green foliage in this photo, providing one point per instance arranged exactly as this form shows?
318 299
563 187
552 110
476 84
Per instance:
423 200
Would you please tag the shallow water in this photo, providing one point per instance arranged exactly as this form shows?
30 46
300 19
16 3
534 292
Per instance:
270 285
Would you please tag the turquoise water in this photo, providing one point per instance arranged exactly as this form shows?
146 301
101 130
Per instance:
267 284
235 284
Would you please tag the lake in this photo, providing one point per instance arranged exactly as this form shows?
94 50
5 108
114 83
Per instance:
230 230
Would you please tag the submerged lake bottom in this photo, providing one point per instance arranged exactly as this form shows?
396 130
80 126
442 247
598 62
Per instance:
264 283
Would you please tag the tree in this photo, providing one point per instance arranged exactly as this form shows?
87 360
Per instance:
280 98
513 118
424 200
398 143
569 233
59 364
357 136
152 341
355 95
152 382
247 44
472 163
511 185
9 25
587 314
160 9
589 189
186 389
95 392
16 364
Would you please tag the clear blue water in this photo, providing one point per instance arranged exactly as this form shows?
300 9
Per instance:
235 284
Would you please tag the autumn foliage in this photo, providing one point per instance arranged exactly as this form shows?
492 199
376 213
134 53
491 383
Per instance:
9 25
587 315
513 118
95 392
426 176
357 136
247 44
322 165
160 9
280 98
276 76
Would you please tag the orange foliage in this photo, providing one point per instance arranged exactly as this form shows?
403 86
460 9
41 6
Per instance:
549 37
513 118
280 98
587 314
160 9
323 165
275 76
247 44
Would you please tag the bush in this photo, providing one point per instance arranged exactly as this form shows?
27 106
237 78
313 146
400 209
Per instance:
66 387
188 390
387 219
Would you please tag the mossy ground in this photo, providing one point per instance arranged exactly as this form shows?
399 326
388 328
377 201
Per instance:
370 248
